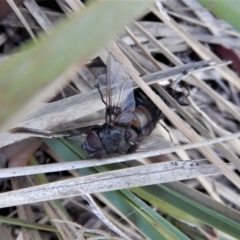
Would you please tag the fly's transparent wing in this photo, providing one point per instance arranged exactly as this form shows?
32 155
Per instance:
102 80
153 142
47 134
118 86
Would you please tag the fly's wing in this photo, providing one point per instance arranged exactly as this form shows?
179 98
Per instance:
118 86
153 142
47 134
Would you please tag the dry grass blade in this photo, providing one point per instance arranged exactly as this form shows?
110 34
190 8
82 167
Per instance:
66 229
192 79
200 49
5 233
13 21
119 179
96 210
22 19
204 24
38 15
225 192
90 163
220 131
25 212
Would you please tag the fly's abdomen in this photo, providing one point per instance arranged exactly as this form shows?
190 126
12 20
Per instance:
142 121
145 115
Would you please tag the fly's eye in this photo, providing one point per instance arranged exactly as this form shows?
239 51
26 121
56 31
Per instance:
92 142
93 145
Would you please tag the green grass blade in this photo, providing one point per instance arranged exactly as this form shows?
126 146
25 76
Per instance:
22 223
228 10
167 229
73 40
178 205
130 211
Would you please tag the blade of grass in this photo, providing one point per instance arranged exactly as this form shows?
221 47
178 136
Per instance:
135 215
21 223
177 205
73 40
228 10
167 229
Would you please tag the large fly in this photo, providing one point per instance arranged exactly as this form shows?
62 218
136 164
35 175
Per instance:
116 134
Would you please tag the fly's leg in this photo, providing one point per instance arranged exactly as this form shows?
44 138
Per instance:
165 128
98 88
166 131
186 88
108 110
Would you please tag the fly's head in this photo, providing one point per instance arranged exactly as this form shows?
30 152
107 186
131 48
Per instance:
93 145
